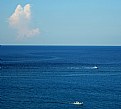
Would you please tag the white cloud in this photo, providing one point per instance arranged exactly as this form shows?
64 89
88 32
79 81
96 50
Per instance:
20 20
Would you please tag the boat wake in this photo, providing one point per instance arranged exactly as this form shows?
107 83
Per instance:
82 67
95 67
74 103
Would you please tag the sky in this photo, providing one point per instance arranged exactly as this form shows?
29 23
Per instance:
60 22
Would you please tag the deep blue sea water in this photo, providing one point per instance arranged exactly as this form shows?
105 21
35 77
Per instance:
53 77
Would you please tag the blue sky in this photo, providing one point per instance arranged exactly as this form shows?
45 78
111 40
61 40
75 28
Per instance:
62 22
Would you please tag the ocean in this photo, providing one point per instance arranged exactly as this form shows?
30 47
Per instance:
54 77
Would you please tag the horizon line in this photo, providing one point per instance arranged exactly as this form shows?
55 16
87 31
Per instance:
51 45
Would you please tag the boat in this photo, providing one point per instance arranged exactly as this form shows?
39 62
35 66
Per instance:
95 67
78 103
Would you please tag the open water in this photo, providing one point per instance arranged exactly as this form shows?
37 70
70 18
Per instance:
54 77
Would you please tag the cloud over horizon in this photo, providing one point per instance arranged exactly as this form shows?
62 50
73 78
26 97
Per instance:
20 20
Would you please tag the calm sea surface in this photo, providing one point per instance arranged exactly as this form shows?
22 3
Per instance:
53 77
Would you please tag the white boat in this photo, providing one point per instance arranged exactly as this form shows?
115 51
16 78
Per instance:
95 67
78 103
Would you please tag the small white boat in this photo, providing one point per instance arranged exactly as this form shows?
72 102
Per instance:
78 103
95 67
